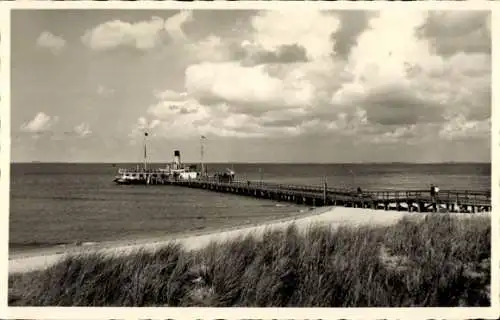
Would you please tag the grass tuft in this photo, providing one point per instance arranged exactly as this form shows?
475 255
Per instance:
439 261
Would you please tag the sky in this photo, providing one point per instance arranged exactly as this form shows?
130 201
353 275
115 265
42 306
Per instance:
261 86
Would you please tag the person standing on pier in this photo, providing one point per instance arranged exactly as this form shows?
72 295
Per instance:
434 193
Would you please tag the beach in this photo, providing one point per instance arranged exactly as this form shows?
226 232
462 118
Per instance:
59 205
332 216
52 216
287 262
39 259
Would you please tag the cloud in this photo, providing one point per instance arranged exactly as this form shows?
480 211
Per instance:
289 53
460 127
176 117
250 86
39 124
82 130
271 39
142 35
311 29
214 49
43 124
451 32
174 24
171 95
210 48
189 118
50 41
405 82
104 91
314 73
352 23
142 126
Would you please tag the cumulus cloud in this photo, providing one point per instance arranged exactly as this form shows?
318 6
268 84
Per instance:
171 95
252 54
298 73
460 127
142 35
211 48
174 24
405 82
251 86
352 23
451 32
273 39
39 124
82 130
310 28
51 42
104 91
190 118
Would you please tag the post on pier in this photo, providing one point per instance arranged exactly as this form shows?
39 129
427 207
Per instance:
325 187
261 177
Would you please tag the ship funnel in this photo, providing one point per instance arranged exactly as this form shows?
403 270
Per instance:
177 159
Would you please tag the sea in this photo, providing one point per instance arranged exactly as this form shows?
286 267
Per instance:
58 204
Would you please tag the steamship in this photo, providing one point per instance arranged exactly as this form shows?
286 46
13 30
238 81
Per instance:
172 172
145 175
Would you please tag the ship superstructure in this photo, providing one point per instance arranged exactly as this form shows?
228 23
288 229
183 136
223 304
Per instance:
173 171
146 175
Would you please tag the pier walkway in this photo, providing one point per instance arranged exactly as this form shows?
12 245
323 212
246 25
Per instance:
407 200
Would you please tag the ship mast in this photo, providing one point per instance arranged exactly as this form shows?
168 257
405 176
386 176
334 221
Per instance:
145 152
202 151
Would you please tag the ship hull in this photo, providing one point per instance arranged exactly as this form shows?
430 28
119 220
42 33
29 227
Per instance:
129 181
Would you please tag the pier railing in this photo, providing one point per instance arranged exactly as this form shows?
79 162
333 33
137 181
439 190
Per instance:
420 199
375 194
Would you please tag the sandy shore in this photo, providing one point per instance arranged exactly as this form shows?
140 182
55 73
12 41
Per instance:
335 216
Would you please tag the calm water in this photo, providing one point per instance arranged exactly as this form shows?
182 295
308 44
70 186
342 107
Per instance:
55 204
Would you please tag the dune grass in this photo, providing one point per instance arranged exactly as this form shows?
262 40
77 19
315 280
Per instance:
437 261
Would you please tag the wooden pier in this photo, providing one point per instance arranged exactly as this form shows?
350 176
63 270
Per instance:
408 200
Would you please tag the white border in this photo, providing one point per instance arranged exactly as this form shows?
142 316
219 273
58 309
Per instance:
252 5
4 150
235 313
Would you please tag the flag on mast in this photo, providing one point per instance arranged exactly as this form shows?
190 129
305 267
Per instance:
203 138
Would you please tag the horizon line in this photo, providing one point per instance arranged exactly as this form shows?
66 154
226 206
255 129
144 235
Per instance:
250 162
